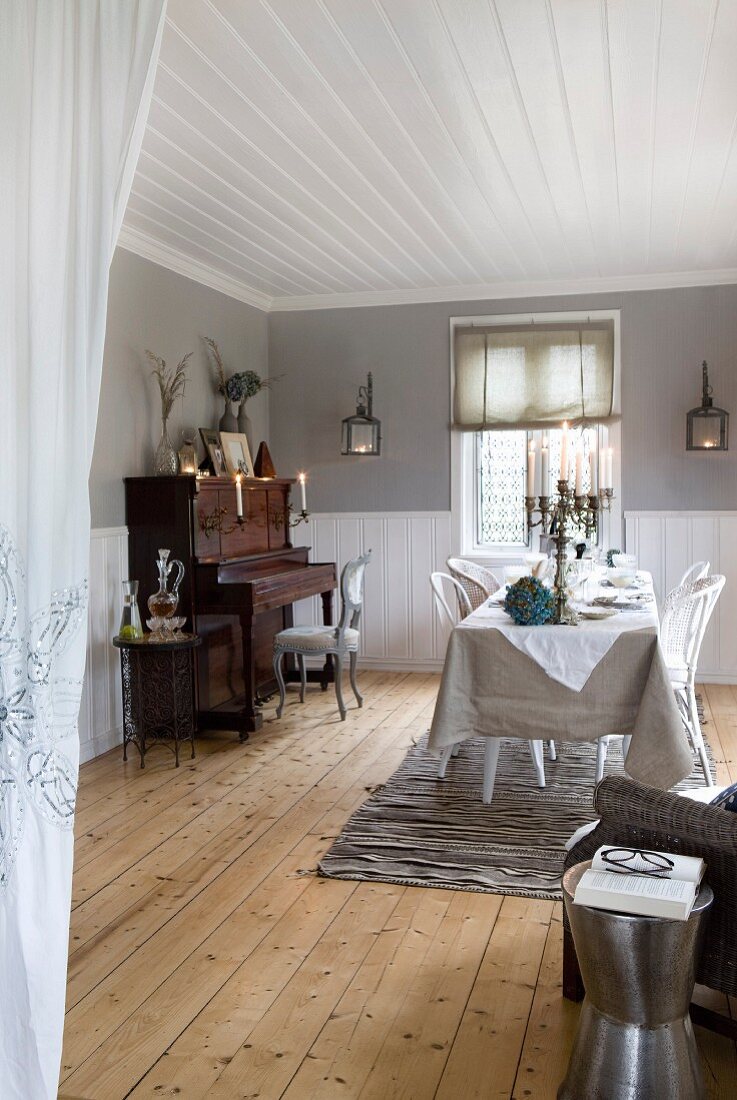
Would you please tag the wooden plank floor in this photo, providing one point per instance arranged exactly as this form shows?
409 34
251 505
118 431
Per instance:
207 960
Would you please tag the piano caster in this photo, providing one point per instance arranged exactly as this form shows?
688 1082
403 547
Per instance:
243 736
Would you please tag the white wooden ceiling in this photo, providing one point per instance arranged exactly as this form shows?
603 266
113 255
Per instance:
323 152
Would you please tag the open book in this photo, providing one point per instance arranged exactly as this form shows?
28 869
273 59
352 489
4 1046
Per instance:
652 884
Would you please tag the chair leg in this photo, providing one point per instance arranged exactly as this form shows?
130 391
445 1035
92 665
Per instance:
552 751
626 744
444 758
697 736
456 749
280 681
338 661
302 677
356 692
536 752
491 758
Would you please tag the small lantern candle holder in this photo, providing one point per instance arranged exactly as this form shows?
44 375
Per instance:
707 427
361 434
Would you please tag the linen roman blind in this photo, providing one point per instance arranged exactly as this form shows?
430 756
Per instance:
533 376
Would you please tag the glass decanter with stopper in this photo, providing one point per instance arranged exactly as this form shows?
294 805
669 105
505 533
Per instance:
163 603
130 620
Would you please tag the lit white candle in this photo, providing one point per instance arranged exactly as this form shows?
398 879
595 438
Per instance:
238 496
592 474
609 468
545 469
302 478
564 453
579 472
531 470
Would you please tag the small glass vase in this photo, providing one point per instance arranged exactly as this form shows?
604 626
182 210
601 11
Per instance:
229 419
166 460
130 619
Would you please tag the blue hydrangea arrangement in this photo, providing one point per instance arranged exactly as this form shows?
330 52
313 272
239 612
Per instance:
529 602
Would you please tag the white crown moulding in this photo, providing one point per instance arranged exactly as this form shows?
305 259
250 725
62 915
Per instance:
150 249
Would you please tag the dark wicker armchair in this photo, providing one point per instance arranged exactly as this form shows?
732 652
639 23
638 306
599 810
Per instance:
634 815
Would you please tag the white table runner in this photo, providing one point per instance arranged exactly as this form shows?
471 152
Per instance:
569 654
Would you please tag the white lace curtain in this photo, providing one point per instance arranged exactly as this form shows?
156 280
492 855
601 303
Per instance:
533 376
75 85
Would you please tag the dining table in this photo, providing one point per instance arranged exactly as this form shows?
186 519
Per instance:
604 676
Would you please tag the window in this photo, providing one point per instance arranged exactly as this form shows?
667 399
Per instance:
511 386
501 483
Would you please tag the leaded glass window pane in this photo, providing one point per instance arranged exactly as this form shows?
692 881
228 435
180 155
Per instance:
501 484
502 459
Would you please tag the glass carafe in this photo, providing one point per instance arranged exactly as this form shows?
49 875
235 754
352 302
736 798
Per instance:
130 620
163 603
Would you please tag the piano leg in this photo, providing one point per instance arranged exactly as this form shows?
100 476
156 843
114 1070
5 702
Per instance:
250 719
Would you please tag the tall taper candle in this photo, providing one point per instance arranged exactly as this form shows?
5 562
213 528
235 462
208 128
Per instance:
594 488
579 472
531 470
302 478
238 497
564 453
609 464
545 469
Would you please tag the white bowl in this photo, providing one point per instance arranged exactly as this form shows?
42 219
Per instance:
622 578
624 561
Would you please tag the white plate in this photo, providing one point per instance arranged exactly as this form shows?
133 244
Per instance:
597 613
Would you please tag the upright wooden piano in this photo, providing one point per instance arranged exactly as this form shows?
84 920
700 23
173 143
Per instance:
239 585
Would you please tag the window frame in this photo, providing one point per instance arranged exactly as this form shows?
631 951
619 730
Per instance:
463 464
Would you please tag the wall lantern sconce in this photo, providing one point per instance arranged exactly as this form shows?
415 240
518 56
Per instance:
707 427
362 433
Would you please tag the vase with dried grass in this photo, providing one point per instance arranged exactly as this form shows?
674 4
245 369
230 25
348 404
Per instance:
171 382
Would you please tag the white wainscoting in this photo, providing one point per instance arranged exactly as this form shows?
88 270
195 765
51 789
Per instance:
666 543
101 713
399 627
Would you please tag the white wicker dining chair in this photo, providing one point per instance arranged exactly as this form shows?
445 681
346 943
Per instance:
340 641
695 572
479 583
491 752
682 629
446 616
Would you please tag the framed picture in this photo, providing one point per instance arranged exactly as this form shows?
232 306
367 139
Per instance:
237 454
214 448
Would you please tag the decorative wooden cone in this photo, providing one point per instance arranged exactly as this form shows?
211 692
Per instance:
263 466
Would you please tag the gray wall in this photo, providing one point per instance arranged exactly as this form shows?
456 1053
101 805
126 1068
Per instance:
325 355
151 307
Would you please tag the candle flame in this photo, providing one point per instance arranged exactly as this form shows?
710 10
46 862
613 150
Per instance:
301 477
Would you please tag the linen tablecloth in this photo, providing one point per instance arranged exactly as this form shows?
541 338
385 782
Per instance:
491 689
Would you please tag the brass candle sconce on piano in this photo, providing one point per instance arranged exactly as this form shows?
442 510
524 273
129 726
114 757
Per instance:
210 522
303 516
293 518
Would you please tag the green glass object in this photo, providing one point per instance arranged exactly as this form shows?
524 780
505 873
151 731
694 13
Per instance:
130 620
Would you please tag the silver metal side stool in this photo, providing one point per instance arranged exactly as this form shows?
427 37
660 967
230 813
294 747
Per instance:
635 1040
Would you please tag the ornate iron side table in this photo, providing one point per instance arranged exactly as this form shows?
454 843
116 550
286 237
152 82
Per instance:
635 1040
158 693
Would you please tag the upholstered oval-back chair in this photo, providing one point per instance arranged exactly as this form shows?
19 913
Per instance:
340 641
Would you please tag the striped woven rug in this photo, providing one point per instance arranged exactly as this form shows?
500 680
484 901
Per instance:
418 830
